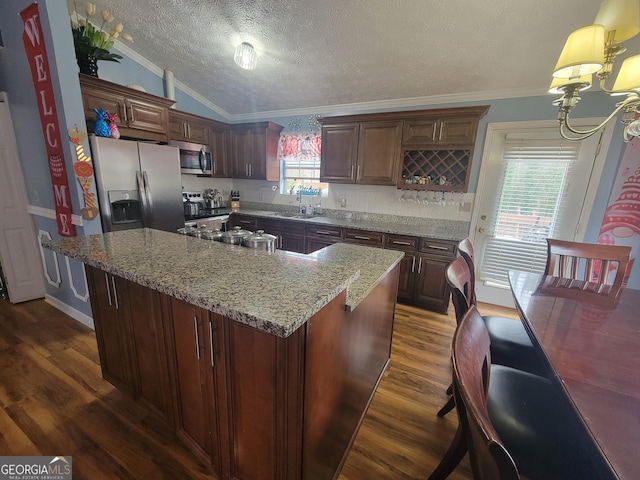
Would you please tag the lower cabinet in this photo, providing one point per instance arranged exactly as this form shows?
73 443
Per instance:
192 353
290 235
128 322
422 271
248 404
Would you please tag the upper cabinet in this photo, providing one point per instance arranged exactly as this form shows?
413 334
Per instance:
140 114
188 128
437 148
365 152
424 149
254 151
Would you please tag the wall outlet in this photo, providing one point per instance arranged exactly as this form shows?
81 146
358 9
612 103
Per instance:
343 202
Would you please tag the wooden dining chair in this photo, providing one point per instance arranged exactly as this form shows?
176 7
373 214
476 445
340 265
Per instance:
512 422
510 343
590 262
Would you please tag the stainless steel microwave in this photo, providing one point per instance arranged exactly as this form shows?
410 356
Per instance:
195 159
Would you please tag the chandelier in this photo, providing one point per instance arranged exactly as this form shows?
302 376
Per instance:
593 49
245 56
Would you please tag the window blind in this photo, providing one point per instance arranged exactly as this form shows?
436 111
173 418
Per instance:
535 176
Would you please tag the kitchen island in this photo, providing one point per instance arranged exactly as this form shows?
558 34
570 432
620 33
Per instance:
264 363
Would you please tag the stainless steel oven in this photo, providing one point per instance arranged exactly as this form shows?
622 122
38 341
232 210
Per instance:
195 159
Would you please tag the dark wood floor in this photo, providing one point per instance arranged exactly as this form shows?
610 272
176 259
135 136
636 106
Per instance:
55 402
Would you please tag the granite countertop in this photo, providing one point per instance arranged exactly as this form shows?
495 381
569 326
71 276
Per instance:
276 292
436 229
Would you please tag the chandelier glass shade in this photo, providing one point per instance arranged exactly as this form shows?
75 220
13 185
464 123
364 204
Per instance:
593 49
245 56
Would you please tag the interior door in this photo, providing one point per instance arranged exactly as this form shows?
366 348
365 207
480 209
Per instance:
522 245
19 253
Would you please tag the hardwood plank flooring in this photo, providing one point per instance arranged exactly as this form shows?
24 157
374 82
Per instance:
54 401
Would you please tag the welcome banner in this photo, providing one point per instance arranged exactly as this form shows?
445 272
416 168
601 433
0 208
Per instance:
39 64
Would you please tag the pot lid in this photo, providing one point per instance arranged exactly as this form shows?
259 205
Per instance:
260 236
237 231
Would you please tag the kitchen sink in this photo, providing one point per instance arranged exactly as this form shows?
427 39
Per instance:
292 215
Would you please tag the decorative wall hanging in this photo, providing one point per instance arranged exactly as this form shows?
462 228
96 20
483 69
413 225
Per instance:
36 52
84 171
621 222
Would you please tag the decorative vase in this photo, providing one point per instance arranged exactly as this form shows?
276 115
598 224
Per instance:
88 64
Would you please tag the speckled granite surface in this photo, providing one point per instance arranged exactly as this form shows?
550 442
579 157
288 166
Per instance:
417 227
275 292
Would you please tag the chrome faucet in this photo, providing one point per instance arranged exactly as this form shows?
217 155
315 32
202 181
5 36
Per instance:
300 207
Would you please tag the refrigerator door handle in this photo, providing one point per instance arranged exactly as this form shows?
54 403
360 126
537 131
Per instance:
147 189
143 198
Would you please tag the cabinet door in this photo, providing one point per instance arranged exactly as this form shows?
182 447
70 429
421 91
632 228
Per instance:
92 99
420 131
176 129
146 116
457 130
379 152
241 151
339 153
113 332
219 147
292 242
198 132
145 312
406 276
258 157
432 290
197 421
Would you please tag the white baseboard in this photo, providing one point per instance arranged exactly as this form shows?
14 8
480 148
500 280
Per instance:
72 312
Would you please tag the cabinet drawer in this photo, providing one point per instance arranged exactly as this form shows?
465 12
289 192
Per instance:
291 226
402 242
245 221
322 231
269 225
364 237
438 247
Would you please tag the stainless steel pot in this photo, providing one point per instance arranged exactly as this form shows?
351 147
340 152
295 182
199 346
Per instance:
191 209
215 235
235 235
260 241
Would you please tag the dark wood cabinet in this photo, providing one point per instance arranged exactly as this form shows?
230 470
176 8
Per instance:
219 141
193 355
140 114
318 237
131 339
110 305
188 128
365 152
437 149
422 279
290 235
254 150
363 237
339 153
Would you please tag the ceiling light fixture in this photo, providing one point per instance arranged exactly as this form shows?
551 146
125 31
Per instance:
593 49
245 56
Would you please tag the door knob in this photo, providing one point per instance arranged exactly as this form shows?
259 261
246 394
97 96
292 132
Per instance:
481 230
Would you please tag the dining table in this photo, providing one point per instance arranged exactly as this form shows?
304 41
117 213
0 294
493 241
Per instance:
590 337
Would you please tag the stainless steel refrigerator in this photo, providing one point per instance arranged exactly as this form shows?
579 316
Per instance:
138 184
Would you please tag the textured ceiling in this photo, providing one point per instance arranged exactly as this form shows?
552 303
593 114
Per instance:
318 53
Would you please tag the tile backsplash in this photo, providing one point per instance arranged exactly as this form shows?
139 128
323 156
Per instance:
356 198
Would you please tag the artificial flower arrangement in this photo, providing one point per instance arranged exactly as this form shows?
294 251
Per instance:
90 40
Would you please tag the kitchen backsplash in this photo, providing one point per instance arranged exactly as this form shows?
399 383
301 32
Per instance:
360 199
